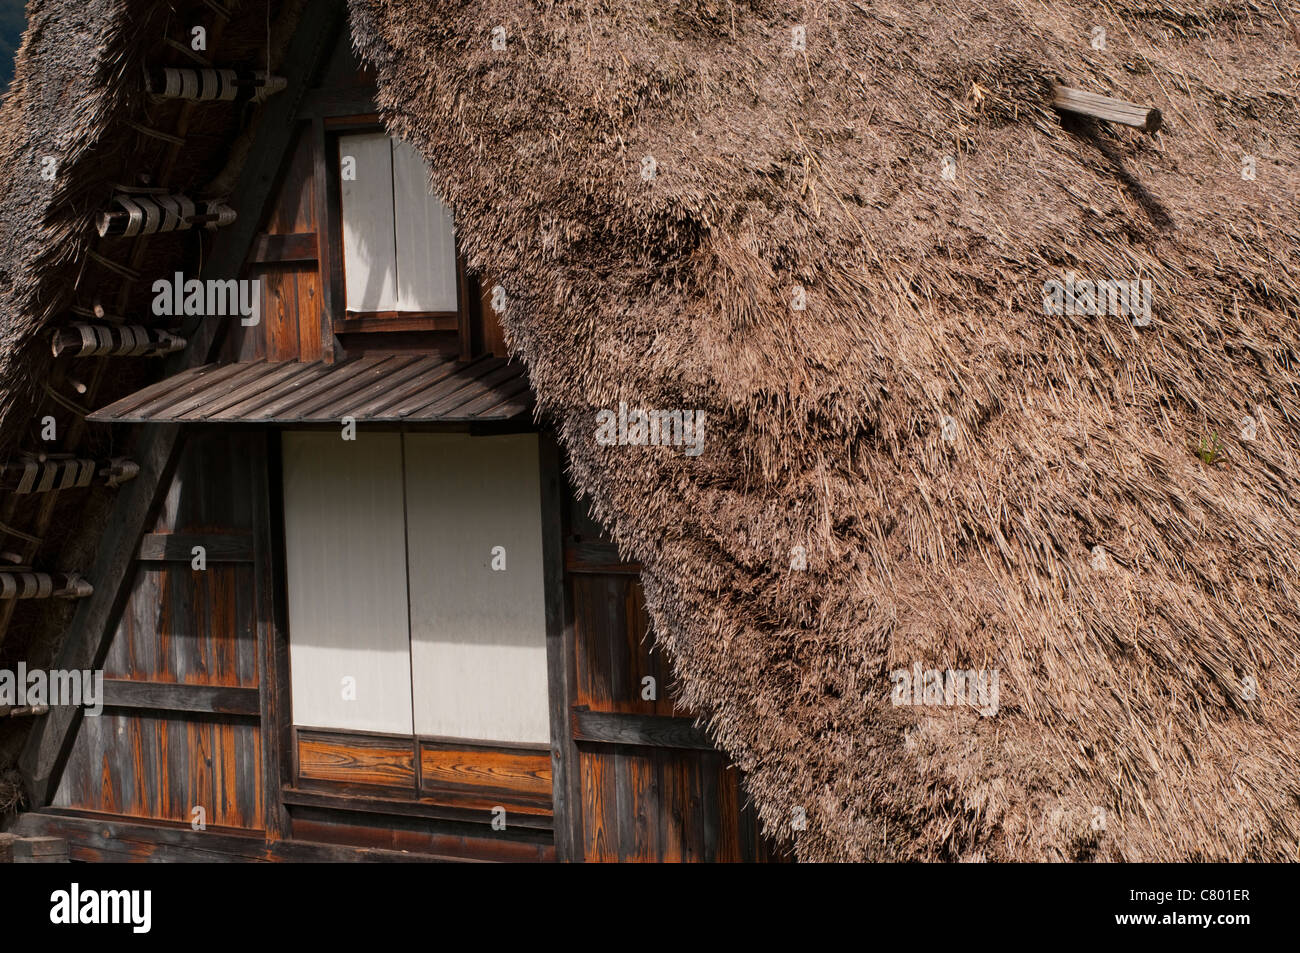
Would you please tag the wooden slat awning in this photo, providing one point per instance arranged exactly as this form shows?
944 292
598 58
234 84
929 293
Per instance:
379 388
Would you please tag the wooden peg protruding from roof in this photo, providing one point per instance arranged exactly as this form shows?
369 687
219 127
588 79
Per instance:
1104 107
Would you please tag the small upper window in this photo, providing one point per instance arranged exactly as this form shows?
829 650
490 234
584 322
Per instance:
399 244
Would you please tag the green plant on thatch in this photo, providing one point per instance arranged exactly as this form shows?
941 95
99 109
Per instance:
1208 449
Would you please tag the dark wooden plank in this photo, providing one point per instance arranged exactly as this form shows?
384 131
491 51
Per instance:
672 807
559 653
520 813
283 249
340 101
464 375
113 839
710 772
170 696
387 322
179 547
466 842
503 395
381 389
450 405
599 818
272 702
596 606
343 378
624 805
330 235
382 406
649 730
192 390
143 404
250 389
285 392
353 378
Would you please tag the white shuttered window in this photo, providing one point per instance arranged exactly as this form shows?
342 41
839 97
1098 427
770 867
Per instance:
399 245
415 567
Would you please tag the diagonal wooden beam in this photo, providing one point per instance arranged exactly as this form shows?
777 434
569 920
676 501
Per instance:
91 629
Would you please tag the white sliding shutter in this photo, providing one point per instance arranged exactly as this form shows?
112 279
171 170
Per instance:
478 636
426 243
369 248
346 565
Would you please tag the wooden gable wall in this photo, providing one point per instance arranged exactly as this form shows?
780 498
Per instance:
184 676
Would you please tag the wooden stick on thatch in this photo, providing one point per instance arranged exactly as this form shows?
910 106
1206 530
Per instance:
1103 107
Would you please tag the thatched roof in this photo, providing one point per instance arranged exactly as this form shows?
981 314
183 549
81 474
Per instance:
1125 688
1148 695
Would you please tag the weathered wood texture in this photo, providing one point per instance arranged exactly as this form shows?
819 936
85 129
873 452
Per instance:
659 805
356 759
614 652
485 769
101 840
182 673
284 258
1147 118
513 845
469 778
651 785
155 766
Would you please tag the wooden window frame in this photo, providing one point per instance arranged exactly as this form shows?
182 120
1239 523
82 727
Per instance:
332 264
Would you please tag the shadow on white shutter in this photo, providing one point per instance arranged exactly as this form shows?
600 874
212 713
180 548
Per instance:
426 244
346 564
369 252
478 636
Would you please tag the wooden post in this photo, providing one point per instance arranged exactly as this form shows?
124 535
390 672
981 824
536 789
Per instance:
1103 107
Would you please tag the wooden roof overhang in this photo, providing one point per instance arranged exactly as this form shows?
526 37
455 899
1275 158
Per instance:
391 388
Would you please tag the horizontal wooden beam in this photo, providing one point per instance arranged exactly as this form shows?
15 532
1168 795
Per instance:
179 547
519 813
170 696
339 101
596 557
283 249
1104 107
108 839
655 731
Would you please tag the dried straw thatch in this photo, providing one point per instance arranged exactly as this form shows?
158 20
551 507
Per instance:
1148 694
1148 703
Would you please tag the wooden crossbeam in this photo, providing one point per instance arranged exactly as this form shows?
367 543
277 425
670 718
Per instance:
1104 107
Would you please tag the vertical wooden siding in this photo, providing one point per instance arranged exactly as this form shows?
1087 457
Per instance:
188 627
642 802
149 765
291 293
